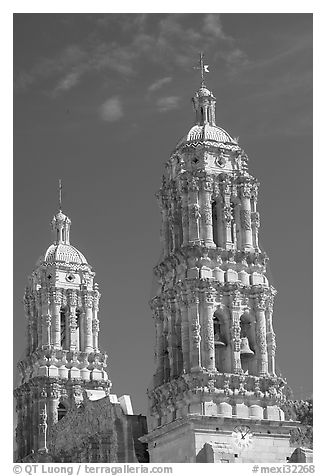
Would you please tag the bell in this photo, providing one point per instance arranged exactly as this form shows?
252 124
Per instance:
217 340
244 347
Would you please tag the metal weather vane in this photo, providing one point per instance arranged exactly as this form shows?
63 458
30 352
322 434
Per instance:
203 68
60 195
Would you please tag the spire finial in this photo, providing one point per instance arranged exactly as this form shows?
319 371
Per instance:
60 195
203 68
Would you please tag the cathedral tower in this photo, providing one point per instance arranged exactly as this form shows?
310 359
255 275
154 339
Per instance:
63 363
215 395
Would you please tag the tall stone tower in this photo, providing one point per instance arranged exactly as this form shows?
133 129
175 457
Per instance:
63 361
215 395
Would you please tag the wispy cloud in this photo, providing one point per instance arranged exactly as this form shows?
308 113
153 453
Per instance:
111 110
167 103
159 84
67 82
169 41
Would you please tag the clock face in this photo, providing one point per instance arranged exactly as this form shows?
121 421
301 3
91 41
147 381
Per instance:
242 436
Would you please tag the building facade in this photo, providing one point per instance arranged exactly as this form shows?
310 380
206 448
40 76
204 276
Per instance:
215 395
65 410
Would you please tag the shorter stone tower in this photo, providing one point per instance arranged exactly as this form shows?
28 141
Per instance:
63 366
215 395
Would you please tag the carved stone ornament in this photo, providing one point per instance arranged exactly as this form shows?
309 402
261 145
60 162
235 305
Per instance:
245 218
72 298
207 184
206 213
227 214
194 211
246 190
193 184
208 336
255 218
57 296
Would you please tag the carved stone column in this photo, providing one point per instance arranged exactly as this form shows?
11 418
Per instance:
194 213
184 210
255 218
56 300
206 213
42 429
227 219
165 225
208 330
185 333
46 319
194 331
88 323
159 350
172 341
235 308
72 301
166 360
53 402
270 338
27 307
245 215
260 307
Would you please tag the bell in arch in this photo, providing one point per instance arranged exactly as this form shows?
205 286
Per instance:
218 341
244 347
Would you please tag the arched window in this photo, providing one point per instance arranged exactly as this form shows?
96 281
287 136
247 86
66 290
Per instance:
62 410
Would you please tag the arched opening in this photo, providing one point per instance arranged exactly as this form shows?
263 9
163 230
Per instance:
247 346
63 328
62 410
214 221
78 333
220 342
233 225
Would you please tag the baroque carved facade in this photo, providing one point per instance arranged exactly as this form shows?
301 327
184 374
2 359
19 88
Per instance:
215 343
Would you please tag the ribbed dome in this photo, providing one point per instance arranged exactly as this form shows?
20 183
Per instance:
64 253
206 132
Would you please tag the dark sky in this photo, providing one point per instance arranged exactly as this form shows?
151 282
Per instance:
100 101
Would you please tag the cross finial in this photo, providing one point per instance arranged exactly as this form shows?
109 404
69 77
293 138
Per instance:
203 68
60 195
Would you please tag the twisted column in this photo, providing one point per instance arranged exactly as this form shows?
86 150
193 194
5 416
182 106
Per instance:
235 308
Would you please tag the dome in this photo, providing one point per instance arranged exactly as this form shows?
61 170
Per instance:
62 252
206 132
